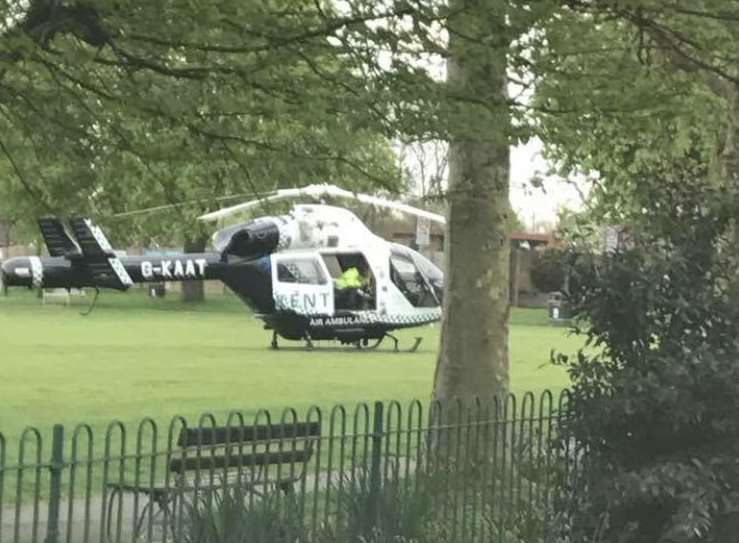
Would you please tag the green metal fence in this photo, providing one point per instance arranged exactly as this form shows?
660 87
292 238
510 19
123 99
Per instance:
482 470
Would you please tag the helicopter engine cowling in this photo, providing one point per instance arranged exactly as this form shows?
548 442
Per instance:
252 239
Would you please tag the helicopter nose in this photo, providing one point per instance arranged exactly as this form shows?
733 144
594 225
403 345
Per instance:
17 272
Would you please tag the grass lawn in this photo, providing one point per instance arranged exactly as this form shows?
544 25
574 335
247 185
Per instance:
135 357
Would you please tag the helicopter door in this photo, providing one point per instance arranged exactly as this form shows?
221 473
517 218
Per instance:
354 299
301 284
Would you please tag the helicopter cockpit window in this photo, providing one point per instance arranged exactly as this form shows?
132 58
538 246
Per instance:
304 271
410 281
433 274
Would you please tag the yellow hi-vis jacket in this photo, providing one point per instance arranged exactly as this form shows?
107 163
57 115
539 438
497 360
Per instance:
349 279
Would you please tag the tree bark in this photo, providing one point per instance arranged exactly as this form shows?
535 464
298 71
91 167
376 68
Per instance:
194 291
473 357
730 152
515 270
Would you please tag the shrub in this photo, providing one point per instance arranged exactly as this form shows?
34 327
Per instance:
656 391
424 507
400 510
233 516
548 271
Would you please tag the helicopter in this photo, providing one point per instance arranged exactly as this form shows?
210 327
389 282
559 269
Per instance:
287 268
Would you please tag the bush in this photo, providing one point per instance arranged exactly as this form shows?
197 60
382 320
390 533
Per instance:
434 507
548 271
233 516
399 511
656 391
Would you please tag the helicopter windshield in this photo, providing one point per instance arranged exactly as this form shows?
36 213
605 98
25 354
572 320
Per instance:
433 274
420 281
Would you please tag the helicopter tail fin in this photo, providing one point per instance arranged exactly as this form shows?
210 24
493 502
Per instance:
98 255
57 239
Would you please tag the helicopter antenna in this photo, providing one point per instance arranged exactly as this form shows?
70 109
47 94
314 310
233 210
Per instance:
320 191
92 305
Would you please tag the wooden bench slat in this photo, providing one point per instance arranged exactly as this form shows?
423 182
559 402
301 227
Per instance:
234 461
190 437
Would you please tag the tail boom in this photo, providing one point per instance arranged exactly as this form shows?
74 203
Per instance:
59 272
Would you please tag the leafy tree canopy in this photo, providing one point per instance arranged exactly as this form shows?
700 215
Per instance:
178 102
639 91
656 389
120 107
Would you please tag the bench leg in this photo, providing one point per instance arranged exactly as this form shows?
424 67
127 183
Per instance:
138 528
109 513
140 520
287 487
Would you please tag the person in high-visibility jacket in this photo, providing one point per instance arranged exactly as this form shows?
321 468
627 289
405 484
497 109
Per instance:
349 279
349 286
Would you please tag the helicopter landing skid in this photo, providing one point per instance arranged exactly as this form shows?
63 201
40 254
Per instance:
362 344
275 346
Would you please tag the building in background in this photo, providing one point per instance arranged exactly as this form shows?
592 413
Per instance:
525 249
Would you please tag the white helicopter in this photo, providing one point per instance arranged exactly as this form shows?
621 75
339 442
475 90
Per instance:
288 268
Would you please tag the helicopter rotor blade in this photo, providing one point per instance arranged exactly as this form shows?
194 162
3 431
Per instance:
317 191
165 207
228 211
404 208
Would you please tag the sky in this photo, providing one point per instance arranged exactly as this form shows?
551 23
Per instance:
538 205
535 206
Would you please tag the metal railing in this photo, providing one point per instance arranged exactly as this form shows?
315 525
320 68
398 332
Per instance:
482 470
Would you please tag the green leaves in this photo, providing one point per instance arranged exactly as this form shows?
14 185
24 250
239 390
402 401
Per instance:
636 91
654 405
186 102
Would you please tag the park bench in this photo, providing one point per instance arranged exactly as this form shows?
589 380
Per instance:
253 459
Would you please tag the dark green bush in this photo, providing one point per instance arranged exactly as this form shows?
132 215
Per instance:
422 508
656 390
234 516
399 510
548 271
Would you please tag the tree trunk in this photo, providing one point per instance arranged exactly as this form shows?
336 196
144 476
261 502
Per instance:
194 291
473 357
515 271
730 154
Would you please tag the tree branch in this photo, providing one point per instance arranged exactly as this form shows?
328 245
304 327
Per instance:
36 195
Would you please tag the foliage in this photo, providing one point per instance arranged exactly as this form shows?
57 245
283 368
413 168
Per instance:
581 229
398 510
138 105
656 390
452 496
638 87
235 516
548 271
